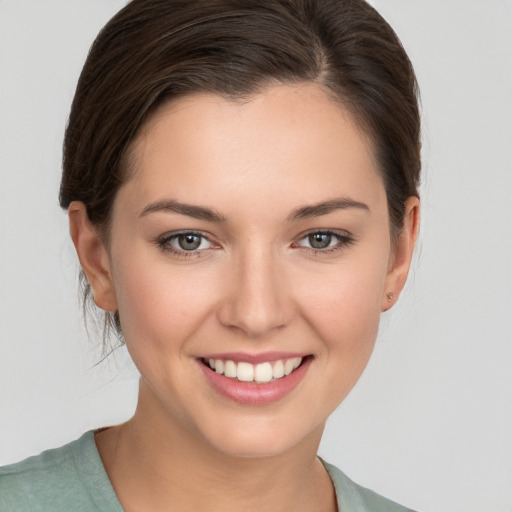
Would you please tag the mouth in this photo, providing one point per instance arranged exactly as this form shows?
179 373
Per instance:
256 383
261 373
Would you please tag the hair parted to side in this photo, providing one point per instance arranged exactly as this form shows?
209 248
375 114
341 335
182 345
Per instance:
153 51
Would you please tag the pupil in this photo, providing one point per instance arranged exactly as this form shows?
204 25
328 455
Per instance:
320 240
189 242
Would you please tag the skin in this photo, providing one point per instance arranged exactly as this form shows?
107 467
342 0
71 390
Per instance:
255 285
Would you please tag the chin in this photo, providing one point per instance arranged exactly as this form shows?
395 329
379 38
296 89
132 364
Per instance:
263 438
263 447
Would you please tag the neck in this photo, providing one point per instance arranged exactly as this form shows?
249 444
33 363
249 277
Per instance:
153 462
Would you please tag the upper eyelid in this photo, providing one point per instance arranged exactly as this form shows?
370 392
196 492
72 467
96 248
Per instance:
327 231
174 234
170 236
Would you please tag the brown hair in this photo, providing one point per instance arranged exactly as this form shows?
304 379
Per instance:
153 51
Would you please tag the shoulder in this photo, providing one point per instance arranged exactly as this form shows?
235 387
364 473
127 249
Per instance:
56 480
353 497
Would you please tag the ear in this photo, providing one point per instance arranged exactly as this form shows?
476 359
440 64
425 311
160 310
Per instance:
93 256
401 256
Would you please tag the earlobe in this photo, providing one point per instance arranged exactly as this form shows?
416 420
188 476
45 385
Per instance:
401 257
93 256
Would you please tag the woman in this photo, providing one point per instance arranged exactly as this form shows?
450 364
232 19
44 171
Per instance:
241 181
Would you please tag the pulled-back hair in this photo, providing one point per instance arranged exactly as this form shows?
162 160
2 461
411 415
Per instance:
153 51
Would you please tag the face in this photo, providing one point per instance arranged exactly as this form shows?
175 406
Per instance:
252 238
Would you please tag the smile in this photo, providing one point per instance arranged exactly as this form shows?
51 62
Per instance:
268 378
261 373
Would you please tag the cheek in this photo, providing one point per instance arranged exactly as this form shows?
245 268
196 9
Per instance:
160 302
344 305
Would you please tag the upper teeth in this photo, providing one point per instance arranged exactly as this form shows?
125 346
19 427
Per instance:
247 372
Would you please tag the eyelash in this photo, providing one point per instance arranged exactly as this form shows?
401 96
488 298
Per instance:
344 240
165 243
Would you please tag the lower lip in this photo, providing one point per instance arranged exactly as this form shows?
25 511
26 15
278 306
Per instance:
251 393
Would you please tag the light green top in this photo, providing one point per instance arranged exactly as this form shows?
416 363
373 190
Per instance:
72 478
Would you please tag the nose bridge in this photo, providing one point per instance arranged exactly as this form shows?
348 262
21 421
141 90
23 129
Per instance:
256 302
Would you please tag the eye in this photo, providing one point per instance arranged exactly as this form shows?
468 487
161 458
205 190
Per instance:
325 241
320 240
189 241
185 243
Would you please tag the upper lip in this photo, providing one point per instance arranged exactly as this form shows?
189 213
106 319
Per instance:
263 357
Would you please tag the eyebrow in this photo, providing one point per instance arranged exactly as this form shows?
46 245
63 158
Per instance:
196 212
209 215
325 207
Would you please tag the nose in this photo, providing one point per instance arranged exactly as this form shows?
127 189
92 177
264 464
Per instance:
256 300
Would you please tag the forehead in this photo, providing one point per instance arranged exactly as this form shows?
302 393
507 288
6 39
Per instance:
291 143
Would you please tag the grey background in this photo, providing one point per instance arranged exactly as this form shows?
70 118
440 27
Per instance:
430 422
